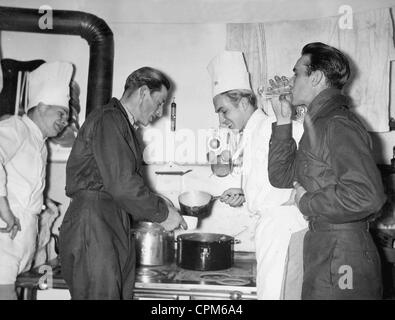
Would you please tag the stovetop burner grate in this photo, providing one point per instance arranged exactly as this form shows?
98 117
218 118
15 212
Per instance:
145 274
224 278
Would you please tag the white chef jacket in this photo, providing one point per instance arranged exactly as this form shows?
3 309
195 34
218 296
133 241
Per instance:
276 223
23 157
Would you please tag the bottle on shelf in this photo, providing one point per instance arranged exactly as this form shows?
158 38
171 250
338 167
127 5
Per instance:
173 116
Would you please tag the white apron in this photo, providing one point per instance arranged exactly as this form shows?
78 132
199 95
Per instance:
276 223
273 233
17 254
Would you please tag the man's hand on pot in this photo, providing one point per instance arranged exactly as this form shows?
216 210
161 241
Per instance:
233 197
174 220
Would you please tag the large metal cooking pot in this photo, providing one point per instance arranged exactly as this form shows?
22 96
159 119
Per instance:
205 251
154 245
196 203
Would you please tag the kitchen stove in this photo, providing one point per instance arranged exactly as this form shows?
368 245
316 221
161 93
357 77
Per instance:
173 282
170 281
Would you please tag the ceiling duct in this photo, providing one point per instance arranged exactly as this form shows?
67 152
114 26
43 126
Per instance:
93 29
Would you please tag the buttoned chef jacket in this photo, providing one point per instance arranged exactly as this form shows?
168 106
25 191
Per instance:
23 158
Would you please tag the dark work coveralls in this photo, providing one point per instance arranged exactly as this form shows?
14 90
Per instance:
344 190
105 184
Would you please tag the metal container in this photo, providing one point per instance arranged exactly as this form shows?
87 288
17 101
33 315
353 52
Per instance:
154 245
205 251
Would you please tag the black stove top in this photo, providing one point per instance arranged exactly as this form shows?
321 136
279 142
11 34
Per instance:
240 277
242 273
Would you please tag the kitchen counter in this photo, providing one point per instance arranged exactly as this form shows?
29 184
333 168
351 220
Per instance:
163 282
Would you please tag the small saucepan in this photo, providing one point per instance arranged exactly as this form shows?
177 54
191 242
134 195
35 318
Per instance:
196 203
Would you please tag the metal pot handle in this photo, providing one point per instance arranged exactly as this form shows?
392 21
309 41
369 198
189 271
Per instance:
205 252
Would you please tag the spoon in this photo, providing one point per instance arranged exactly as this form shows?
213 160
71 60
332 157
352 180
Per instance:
177 173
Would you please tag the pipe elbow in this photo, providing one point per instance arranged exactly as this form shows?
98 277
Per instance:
95 30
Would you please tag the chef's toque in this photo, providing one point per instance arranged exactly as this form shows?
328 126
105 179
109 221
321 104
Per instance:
49 84
228 71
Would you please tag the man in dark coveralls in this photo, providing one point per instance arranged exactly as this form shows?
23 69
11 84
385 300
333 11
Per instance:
337 184
105 184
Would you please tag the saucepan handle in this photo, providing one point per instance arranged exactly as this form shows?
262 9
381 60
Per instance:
218 197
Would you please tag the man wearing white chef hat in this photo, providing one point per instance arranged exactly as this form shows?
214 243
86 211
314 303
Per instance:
23 157
236 105
229 75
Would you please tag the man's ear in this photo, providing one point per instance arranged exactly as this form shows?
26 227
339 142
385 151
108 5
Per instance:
244 103
317 78
42 107
143 90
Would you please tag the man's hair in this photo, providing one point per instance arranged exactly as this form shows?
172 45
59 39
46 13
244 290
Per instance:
236 95
152 78
331 61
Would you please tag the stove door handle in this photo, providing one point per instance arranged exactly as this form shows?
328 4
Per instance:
235 295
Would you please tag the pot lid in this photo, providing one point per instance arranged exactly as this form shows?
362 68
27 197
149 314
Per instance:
205 237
